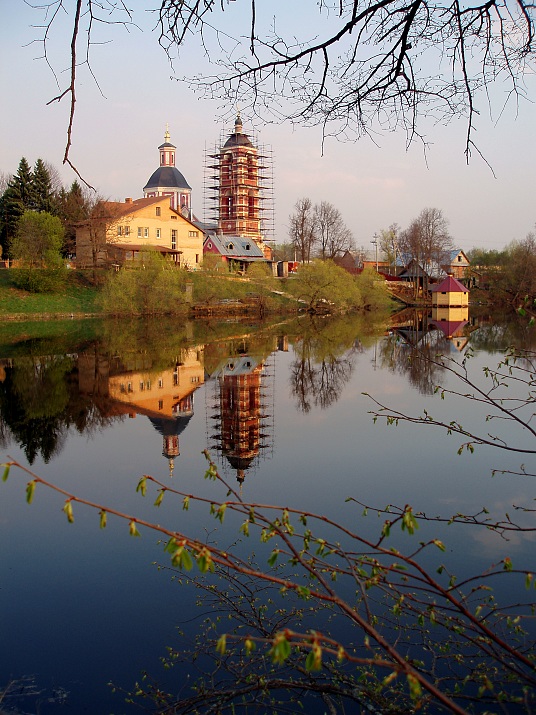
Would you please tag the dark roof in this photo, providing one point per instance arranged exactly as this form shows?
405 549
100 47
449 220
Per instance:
236 247
167 145
168 176
169 427
449 285
237 139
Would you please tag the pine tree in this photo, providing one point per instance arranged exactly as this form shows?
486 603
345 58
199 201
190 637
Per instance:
17 199
72 207
43 193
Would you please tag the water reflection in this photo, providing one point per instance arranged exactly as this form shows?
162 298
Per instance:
154 371
237 387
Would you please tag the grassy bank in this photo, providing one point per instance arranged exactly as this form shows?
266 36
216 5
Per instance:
78 297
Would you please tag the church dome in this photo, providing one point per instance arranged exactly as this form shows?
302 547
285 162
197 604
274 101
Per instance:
237 138
168 176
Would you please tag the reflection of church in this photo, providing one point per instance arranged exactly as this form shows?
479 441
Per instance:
165 397
241 417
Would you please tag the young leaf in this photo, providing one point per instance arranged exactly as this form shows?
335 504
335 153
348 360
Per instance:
142 486
102 515
5 475
221 645
68 509
133 529
30 489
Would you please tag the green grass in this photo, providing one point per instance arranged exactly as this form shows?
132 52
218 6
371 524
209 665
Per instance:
78 296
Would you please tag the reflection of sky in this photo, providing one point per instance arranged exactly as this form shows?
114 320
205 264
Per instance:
72 591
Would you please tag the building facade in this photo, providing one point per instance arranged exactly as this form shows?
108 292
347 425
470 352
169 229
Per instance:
120 232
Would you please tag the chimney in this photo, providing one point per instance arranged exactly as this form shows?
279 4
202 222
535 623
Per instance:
128 200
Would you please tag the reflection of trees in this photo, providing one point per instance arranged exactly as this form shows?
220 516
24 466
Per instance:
413 360
324 363
40 402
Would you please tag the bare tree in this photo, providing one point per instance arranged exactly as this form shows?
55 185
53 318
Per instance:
334 237
302 229
427 241
389 244
365 67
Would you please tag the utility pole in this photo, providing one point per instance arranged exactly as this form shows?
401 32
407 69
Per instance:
375 243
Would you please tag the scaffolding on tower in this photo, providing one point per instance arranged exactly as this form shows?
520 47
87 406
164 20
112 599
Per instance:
213 181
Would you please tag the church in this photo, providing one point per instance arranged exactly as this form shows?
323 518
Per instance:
164 219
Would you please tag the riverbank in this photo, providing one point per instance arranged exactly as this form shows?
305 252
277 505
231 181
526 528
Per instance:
79 299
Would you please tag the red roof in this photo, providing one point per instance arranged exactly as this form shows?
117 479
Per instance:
449 285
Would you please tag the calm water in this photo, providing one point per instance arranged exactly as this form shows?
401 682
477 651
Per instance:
92 408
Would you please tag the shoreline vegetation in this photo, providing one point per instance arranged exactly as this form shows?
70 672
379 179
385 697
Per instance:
322 288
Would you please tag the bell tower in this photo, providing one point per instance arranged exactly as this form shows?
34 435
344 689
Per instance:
240 187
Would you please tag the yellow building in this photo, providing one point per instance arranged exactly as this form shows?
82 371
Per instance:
449 293
119 232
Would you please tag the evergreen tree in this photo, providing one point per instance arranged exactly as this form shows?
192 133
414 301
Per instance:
17 199
43 198
72 207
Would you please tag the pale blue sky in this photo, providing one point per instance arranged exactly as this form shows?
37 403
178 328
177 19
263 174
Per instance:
116 138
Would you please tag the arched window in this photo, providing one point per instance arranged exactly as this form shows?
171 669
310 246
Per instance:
251 205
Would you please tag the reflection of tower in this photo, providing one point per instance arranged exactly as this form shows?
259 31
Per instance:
171 427
242 420
239 187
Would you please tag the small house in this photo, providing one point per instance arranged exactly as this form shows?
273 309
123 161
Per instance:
236 252
449 293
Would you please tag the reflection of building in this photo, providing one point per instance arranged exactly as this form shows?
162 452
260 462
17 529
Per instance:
241 417
165 397
451 322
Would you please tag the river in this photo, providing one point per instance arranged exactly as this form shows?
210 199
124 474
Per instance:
92 407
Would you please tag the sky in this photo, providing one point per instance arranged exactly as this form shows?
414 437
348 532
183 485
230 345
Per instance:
120 123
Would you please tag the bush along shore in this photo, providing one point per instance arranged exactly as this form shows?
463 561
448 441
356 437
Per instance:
157 289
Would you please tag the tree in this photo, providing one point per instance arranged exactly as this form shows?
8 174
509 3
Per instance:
323 285
518 277
16 199
384 65
43 198
333 236
427 242
155 287
37 249
388 242
302 230
73 207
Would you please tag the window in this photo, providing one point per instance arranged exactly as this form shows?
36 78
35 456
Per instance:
148 385
173 218
158 233
193 233
139 232
145 232
173 238
142 386
160 382
197 257
160 404
459 259
158 211
127 230
119 230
